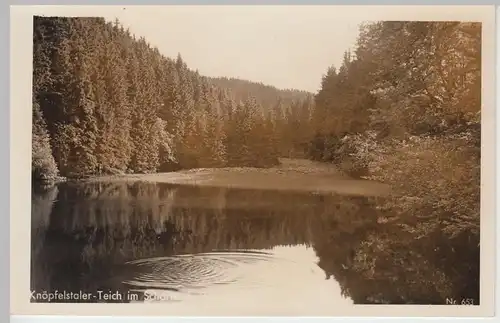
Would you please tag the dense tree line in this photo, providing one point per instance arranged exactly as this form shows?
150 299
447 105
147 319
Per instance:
107 102
404 79
405 108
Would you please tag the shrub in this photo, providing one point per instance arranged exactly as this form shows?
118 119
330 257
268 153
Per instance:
435 178
43 165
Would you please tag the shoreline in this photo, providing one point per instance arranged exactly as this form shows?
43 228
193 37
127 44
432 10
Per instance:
291 175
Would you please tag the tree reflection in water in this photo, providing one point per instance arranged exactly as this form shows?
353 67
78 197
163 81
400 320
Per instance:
84 234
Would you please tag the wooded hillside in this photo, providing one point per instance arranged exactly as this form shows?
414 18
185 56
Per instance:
105 101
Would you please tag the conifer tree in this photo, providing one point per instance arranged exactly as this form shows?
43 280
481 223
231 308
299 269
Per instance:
111 103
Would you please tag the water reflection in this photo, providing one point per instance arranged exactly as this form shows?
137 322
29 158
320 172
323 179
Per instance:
185 244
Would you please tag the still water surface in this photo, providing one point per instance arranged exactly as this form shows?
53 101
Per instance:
250 251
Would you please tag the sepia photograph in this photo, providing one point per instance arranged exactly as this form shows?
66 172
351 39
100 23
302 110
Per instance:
256 160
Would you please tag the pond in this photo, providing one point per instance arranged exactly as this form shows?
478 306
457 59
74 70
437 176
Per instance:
246 250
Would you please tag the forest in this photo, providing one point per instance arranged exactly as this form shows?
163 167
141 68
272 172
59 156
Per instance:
105 102
403 108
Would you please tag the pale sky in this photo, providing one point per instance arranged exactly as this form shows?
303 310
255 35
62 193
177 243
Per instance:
287 47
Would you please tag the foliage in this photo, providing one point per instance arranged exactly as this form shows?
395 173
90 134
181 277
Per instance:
422 133
43 165
415 88
113 104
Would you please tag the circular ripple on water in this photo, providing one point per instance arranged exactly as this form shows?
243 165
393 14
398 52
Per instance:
186 273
